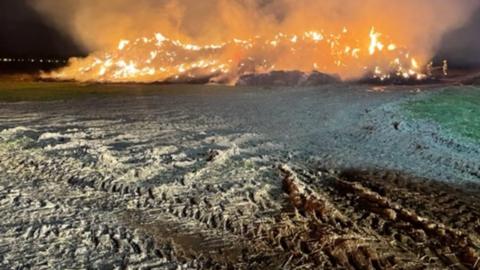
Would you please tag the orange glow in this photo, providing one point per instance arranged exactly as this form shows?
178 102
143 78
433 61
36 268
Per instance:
159 58
152 40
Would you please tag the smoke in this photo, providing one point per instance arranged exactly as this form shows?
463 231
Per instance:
99 25
462 46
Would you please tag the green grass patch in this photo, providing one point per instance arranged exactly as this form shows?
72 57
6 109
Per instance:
456 109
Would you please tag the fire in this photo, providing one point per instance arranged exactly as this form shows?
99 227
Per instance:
375 43
122 44
392 47
160 58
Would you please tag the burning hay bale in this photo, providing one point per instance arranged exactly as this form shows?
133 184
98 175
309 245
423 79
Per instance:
288 78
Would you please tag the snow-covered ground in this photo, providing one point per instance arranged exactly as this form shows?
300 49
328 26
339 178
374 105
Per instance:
176 179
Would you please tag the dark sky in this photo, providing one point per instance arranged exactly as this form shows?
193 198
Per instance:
23 32
462 46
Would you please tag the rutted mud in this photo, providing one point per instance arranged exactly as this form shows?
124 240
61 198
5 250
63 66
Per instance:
397 213
347 220
178 190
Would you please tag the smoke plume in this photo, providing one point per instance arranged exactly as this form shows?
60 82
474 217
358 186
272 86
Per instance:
416 25
462 46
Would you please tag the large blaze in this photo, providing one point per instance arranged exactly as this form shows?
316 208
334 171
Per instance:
219 41
158 58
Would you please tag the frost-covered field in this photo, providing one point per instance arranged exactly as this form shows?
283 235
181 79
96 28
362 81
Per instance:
204 177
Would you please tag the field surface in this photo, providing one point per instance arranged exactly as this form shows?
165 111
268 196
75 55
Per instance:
214 177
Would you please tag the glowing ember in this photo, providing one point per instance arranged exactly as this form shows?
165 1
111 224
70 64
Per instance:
159 58
123 44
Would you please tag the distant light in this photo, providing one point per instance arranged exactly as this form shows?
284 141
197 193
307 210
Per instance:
32 60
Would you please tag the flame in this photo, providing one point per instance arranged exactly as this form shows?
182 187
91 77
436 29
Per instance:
375 43
122 44
160 58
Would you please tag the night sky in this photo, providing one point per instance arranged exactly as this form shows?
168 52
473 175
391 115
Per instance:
24 33
462 46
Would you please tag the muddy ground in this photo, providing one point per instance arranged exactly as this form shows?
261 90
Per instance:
209 178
